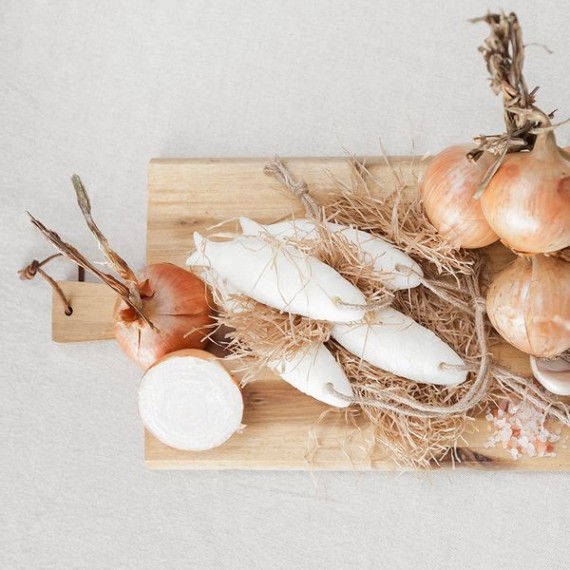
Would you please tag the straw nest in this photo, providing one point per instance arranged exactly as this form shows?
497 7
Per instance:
418 424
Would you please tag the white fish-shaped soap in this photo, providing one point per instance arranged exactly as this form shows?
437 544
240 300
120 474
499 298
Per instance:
314 371
231 299
282 277
398 270
396 343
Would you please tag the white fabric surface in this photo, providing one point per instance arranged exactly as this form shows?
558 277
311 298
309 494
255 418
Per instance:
101 87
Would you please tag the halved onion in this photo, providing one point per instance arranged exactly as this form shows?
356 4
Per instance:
189 401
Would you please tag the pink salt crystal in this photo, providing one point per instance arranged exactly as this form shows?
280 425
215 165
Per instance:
505 433
519 428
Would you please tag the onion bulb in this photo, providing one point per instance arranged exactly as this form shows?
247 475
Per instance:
189 401
163 309
447 191
178 305
529 305
527 202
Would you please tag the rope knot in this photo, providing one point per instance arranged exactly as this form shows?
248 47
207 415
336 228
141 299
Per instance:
480 304
300 189
30 271
35 267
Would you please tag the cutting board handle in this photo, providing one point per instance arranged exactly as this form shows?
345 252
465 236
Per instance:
92 317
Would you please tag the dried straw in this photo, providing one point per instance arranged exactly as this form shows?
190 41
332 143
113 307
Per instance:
397 217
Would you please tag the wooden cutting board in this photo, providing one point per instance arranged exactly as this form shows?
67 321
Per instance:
283 425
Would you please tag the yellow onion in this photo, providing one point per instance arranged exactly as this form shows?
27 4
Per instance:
163 309
178 305
447 190
527 202
529 305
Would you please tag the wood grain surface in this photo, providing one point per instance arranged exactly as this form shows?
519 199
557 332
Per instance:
92 317
187 195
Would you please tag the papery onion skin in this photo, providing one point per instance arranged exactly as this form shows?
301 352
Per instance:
447 189
527 202
177 302
529 305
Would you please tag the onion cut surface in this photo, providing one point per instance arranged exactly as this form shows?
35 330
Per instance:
189 401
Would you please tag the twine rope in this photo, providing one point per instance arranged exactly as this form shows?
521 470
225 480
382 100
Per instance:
34 268
299 188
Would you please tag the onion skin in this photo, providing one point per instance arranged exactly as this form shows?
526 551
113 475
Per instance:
447 190
529 305
178 304
527 202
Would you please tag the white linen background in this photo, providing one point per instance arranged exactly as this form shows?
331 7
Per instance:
101 87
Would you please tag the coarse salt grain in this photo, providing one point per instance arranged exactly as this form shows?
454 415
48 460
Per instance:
520 429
